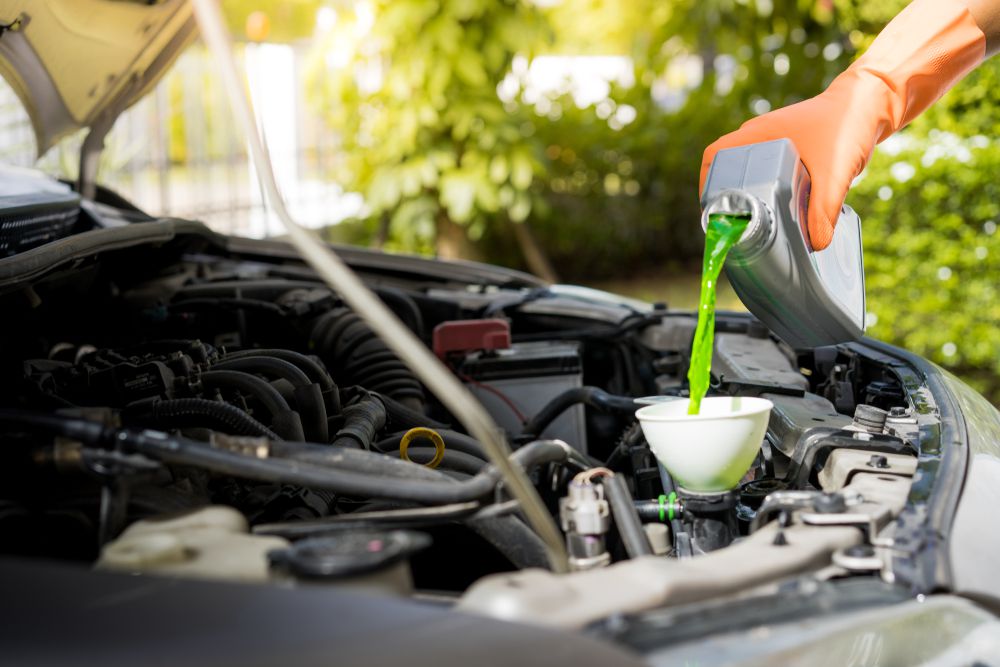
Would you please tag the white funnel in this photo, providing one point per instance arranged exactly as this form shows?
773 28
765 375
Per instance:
709 451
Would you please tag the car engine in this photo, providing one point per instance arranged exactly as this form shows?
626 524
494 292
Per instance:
176 402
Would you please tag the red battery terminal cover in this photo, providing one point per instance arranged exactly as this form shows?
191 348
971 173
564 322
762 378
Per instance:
471 336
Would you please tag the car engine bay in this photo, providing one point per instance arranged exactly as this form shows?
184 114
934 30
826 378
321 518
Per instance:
180 403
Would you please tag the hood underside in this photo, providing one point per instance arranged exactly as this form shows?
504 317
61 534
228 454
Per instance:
77 63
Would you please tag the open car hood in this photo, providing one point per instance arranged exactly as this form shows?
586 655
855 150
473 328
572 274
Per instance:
77 63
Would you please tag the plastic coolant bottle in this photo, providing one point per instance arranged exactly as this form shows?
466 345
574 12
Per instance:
807 297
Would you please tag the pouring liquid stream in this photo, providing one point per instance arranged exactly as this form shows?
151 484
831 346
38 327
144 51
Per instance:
722 233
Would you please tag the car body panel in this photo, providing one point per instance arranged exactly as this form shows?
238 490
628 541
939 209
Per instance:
110 619
974 543
125 47
940 630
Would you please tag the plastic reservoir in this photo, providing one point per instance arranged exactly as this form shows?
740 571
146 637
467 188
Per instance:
807 297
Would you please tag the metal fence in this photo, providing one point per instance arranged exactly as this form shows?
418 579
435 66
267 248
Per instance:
176 151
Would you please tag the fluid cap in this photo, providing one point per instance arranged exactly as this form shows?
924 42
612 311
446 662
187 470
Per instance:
349 554
870 418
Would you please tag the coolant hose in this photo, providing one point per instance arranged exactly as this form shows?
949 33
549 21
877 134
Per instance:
403 416
308 394
362 420
349 347
460 442
87 432
457 461
182 451
512 538
284 421
412 316
354 460
197 412
314 369
592 396
228 303
670 491
453 441
265 366
626 519
507 534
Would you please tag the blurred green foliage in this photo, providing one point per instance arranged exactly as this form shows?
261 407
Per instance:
610 190
930 203
411 89
607 186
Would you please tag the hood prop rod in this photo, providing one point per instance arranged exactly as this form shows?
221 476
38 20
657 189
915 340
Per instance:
435 375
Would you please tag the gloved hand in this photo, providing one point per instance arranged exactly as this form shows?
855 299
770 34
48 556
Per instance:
919 55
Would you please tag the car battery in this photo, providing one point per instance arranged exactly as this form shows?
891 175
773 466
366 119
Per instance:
517 382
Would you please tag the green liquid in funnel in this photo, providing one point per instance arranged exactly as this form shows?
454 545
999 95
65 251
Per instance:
723 232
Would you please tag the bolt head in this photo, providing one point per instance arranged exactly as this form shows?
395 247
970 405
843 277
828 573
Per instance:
830 503
879 461
860 551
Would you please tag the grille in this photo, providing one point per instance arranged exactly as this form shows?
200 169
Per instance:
34 210
20 231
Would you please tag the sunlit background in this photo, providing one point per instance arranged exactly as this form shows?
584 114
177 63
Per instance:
561 137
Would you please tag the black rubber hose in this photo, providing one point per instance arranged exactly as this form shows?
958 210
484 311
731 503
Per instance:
668 488
183 451
284 421
266 366
507 534
227 302
453 441
356 355
262 289
655 511
630 438
591 396
362 420
186 452
308 394
402 416
196 349
394 515
512 538
311 367
456 461
412 316
626 518
356 460
197 412
259 389
460 442
87 432
649 511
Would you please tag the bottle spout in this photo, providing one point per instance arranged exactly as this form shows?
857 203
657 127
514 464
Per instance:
740 202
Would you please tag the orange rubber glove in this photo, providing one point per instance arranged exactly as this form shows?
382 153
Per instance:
919 55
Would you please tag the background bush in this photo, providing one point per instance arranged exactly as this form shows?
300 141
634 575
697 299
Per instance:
930 205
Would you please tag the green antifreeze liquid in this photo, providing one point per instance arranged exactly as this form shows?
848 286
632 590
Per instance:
722 233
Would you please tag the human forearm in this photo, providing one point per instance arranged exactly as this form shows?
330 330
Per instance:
918 56
987 16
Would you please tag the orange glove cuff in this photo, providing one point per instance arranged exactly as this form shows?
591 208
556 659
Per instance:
918 56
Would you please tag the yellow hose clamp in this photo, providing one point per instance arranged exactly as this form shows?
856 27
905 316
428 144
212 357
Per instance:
421 433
